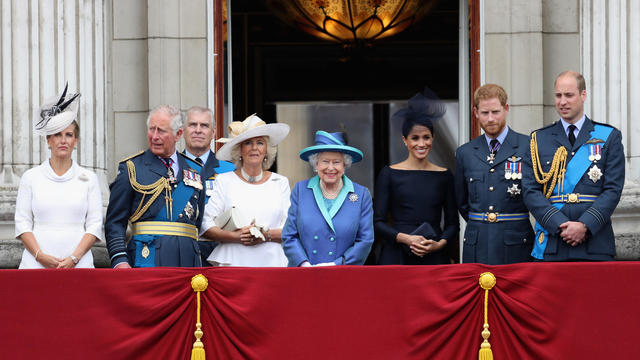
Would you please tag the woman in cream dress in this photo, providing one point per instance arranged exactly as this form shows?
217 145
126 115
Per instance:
259 198
59 207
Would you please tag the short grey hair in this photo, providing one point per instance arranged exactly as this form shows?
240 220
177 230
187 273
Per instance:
270 156
313 160
199 110
176 116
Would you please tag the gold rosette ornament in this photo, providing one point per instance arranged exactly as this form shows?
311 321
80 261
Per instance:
199 284
487 282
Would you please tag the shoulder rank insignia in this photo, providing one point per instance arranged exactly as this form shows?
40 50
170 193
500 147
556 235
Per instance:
132 156
594 141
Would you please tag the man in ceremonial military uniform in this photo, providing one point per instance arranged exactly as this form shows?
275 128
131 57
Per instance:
160 193
488 183
575 180
198 134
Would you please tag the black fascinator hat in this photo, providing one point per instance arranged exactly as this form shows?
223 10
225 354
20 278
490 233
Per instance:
423 109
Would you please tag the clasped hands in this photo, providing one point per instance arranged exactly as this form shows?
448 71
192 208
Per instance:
252 234
52 262
573 233
420 246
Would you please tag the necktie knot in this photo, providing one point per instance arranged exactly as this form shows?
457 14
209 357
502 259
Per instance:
572 136
198 160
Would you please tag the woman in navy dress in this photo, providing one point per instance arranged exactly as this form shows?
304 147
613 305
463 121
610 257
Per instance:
412 196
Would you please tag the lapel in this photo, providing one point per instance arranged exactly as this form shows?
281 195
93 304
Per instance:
559 136
154 164
314 185
210 165
346 189
481 149
507 148
182 164
585 133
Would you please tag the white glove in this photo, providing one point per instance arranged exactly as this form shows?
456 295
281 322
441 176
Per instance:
305 264
325 264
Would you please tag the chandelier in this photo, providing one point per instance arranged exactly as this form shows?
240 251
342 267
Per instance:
352 21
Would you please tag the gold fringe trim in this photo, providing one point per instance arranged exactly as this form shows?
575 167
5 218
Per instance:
154 190
199 284
556 172
487 282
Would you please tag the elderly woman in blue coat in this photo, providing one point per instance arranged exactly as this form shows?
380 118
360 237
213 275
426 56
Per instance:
330 221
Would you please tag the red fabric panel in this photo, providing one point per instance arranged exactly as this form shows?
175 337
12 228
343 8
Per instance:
536 311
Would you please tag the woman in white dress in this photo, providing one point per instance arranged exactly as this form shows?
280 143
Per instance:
259 198
59 207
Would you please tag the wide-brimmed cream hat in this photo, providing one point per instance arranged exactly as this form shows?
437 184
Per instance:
56 113
250 127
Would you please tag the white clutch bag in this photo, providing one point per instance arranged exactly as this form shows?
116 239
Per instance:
232 219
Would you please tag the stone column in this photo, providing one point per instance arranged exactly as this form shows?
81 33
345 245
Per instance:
513 58
610 50
44 44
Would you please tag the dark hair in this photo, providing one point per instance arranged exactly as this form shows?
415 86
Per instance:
412 119
423 110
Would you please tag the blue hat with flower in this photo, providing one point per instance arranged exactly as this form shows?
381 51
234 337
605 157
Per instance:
331 142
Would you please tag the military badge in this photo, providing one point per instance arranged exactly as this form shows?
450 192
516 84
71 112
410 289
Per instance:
514 190
513 168
595 173
595 151
191 178
145 251
209 186
188 210
491 157
353 197
594 141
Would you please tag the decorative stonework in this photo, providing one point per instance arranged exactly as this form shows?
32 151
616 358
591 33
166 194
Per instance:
44 44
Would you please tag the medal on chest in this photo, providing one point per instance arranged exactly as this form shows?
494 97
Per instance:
595 173
191 178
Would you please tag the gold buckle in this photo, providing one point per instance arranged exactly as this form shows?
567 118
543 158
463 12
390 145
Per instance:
492 217
572 198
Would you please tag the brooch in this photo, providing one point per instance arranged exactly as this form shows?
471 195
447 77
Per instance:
353 197
594 173
83 177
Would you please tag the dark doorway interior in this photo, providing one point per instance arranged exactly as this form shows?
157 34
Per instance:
273 61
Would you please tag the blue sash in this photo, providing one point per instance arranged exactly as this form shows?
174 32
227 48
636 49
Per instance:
180 195
575 170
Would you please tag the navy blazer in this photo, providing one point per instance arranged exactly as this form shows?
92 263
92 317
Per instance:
343 235
600 243
481 187
124 200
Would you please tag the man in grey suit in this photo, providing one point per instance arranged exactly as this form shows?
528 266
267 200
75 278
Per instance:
488 183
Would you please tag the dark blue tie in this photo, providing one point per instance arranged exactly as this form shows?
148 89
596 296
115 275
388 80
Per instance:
572 136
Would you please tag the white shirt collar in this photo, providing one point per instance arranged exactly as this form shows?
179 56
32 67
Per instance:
578 125
204 157
500 138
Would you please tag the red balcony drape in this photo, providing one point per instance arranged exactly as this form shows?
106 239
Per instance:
536 311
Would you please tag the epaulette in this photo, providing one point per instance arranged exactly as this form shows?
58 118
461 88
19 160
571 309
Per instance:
603 124
545 127
132 156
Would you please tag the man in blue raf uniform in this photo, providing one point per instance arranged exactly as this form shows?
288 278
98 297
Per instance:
198 134
575 180
488 183
160 192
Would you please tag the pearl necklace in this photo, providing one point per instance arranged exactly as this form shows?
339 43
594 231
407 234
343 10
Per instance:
249 178
330 195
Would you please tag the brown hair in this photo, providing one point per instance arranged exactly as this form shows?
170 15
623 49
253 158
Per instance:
489 91
582 86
